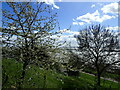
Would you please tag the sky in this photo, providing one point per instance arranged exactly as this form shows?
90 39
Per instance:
75 16
78 15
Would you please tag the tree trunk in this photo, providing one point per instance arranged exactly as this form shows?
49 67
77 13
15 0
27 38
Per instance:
98 71
98 79
23 71
44 85
22 75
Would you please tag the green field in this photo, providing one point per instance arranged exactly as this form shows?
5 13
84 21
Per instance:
106 75
34 78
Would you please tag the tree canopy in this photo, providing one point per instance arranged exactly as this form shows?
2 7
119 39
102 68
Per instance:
97 45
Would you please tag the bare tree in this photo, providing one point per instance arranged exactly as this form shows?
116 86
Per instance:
98 47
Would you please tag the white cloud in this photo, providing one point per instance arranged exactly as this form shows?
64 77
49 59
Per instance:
64 30
91 17
73 32
100 3
81 23
67 31
105 17
50 2
98 17
68 36
88 17
78 23
69 39
75 23
110 8
93 6
113 28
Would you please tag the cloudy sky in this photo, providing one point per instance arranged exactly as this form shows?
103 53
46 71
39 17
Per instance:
77 15
81 14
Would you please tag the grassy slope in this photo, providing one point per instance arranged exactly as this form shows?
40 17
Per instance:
106 75
34 78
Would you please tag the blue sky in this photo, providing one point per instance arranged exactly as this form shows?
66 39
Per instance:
78 15
71 10
81 14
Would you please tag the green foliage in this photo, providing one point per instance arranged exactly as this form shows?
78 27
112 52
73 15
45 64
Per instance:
35 78
27 30
112 76
11 71
74 62
104 83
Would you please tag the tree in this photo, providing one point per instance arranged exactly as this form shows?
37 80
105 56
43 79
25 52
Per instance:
97 45
75 63
27 30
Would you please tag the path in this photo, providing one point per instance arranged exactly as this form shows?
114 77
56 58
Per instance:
102 77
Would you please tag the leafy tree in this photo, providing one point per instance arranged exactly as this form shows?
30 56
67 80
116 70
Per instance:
74 62
27 30
97 45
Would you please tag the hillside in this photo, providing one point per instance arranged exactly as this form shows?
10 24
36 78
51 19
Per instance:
34 78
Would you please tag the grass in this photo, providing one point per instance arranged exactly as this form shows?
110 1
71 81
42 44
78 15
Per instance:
104 83
34 78
106 75
112 76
